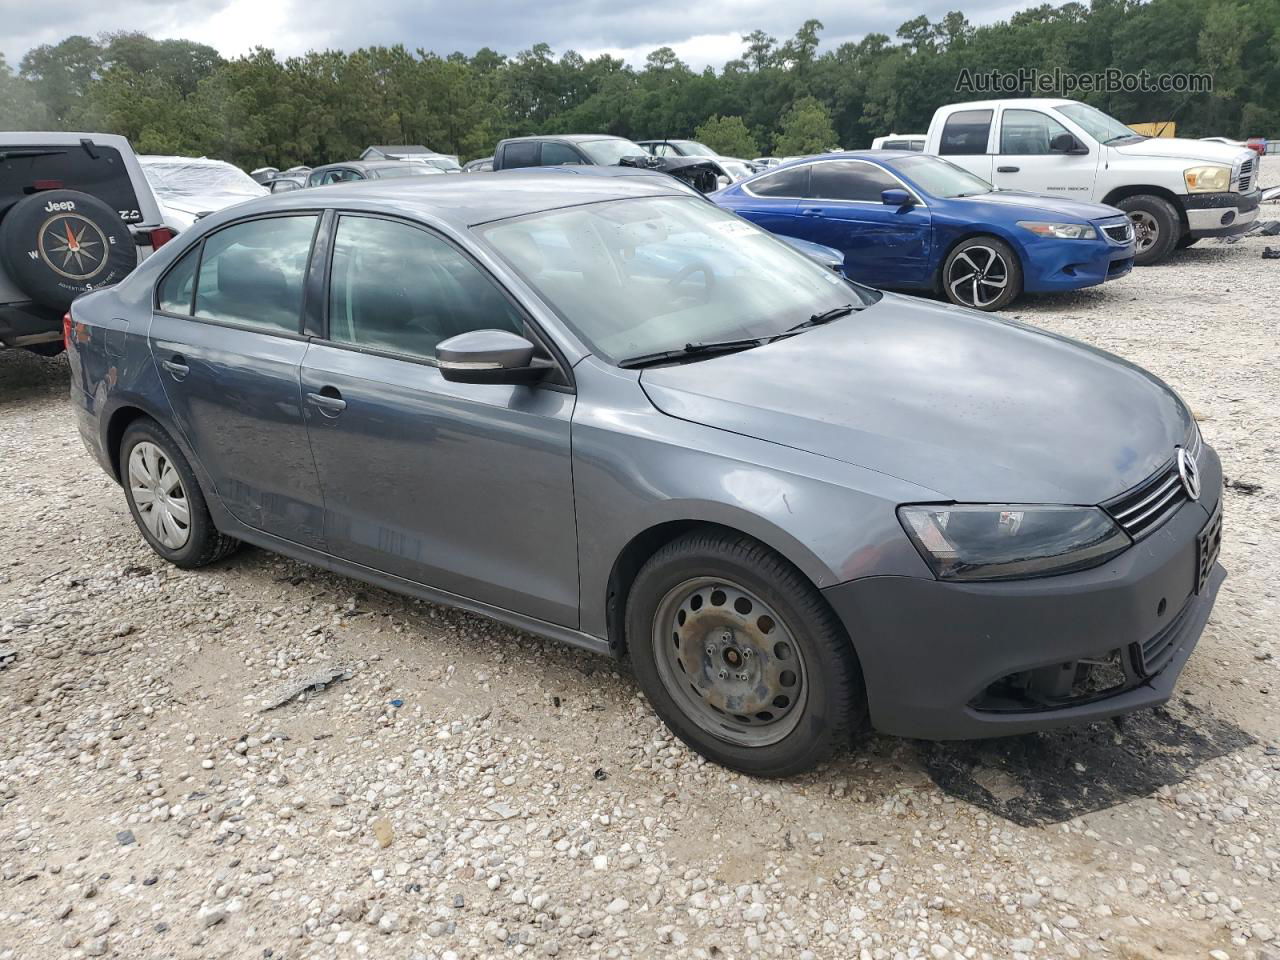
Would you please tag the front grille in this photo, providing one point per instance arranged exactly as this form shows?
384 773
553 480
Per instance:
1244 179
1149 504
1120 232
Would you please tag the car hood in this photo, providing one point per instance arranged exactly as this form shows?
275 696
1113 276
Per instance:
997 204
1201 151
699 172
973 407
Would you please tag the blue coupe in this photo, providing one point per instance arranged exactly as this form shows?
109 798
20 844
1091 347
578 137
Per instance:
913 222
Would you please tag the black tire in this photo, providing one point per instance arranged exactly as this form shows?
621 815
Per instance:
834 701
51 270
1186 240
1156 225
991 259
204 544
50 349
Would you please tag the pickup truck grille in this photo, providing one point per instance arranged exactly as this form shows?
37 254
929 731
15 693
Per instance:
1148 505
1119 232
1244 179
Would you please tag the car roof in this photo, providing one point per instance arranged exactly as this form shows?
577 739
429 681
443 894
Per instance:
60 139
569 137
468 201
1013 102
361 164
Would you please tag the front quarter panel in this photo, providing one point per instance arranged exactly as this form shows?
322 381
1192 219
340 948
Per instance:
636 468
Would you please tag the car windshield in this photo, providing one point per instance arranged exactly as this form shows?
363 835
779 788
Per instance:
177 178
1100 126
939 177
406 170
640 276
736 168
606 153
692 148
442 163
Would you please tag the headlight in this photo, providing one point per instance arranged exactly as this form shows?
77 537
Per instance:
1211 179
1063 231
986 542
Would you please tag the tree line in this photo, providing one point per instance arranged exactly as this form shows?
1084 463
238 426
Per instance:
779 97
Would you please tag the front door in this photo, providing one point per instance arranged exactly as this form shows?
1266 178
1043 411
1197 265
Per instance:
464 487
1024 160
226 339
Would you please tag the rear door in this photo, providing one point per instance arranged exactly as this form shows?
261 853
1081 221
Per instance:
772 201
1024 161
966 141
883 245
227 336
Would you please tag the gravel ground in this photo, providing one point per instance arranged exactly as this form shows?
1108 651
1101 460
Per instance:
464 790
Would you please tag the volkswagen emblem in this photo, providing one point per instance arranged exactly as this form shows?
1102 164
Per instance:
1189 474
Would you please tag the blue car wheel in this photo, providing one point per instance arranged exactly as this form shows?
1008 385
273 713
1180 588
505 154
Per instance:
983 273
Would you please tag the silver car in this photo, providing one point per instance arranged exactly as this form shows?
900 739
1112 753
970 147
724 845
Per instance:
605 411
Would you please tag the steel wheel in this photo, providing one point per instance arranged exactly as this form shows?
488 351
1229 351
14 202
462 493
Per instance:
157 492
729 661
978 276
1146 230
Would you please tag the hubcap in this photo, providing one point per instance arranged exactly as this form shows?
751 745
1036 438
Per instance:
978 276
1146 231
729 661
157 492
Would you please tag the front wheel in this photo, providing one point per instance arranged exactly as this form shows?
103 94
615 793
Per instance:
983 273
741 657
1156 227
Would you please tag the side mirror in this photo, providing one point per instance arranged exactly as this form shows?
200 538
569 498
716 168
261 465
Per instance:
489 356
1066 143
896 198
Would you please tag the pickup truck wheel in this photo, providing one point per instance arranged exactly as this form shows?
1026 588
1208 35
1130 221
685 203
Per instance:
165 499
983 273
1186 240
741 657
1156 227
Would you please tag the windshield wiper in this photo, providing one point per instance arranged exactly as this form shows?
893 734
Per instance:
826 316
692 351
24 153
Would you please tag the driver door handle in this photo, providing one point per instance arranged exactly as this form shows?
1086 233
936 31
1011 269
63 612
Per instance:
329 400
811 211
177 366
1007 169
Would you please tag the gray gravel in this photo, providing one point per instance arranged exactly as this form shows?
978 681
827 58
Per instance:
466 791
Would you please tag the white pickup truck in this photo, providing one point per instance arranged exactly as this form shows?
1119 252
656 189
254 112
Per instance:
1176 191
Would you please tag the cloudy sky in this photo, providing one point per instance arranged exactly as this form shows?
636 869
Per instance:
707 33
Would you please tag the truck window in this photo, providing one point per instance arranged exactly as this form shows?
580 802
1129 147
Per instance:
522 154
965 133
1027 132
557 154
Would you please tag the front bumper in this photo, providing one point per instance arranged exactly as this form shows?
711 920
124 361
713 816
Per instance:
1220 214
935 654
1053 265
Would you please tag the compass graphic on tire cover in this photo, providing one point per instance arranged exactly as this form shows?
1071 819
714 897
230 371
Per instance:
73 246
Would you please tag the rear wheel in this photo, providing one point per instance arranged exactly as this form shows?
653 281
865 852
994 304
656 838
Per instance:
1156 227
165 499
741 657
983 273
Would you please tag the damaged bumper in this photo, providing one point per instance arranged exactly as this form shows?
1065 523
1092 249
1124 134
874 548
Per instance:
702 175
1220 214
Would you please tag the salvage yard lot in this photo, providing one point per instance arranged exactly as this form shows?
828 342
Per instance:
469 791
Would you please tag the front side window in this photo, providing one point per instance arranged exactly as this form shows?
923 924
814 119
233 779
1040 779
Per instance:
398 288
639 276
557 154
965 133
607 153
791 182
1026 133
849 180
252 273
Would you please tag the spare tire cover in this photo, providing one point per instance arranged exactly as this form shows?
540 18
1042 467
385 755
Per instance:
58 244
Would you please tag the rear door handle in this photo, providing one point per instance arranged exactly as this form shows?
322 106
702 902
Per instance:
177 366
1007 169
329 400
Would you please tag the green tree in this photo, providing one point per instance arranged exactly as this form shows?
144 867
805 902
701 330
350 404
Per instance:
728 136
806 128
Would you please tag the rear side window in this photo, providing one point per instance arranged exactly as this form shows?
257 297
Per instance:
179 283
556 154
252 273
401 289
791 182
98 171
965 132
850 180
524 154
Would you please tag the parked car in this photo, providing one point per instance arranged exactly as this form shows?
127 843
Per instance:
285 184
703 173
189 188
913 222
263 174
900 141
442 162
76 213
482 165
734 168
763 162
792 500
1176 191
367 170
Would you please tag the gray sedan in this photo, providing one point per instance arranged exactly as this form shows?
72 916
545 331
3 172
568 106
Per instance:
605 411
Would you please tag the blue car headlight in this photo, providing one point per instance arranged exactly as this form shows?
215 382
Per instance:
1007 542
1062 231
